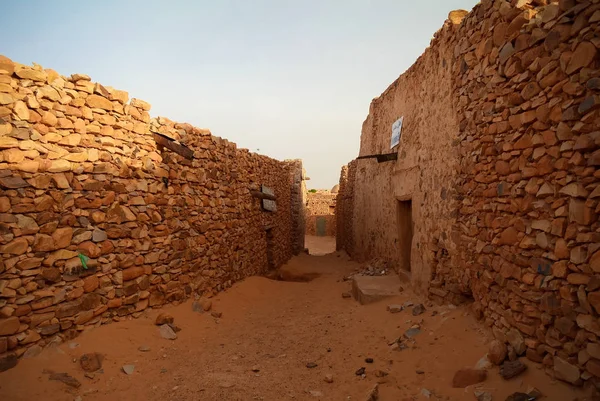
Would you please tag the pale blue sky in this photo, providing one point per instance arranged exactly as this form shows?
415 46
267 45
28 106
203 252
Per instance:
293 79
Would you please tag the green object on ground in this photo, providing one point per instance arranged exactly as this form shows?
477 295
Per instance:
84 260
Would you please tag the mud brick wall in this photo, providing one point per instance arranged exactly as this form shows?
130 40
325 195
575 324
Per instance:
81 175
499 155
344 209
321 206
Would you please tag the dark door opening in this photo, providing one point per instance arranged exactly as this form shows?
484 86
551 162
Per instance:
405 233
270 244
321 226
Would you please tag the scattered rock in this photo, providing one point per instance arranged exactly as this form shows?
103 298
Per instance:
483 363
426 393
497 352
216 314
316 393
510 369
412 332
143 348
328 378
8 361
369 360
128 369
175 328
360 371
407 304
380 373
164 318
418 309
518 397
482 395
534 392
256 368
167 332
346 295
65 378
373 394
206 304
467 377
196 307
91 362
311 365
394 308
420 372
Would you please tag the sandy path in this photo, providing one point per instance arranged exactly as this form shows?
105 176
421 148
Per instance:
277 327
319 246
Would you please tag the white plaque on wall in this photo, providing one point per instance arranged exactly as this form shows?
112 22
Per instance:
396 131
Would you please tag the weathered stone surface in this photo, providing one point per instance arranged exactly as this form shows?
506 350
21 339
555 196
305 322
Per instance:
497 352
510 369
98 102
91 362
565 371
368 289
9 326
167 332
164 318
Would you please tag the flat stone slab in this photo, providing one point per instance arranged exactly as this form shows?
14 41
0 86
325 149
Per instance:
369 289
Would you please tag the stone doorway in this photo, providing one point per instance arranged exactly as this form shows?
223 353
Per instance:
405 233
270 245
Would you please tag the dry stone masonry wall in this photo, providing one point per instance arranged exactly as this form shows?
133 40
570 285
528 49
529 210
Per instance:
98 222
519 230
344 209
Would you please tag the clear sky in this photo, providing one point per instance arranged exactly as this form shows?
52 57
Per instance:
289 79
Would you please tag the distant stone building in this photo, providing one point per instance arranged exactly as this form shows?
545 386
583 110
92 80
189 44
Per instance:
320 213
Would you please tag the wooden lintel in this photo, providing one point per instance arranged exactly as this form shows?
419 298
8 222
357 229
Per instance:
261 195
381 158
173 145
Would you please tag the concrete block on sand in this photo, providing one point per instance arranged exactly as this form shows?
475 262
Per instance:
368 289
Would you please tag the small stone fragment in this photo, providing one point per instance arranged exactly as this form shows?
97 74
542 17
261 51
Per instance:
373 394
369 360
143 348
412 332
380 373
128 369
91 362
467 377
497 352
256 368
360 371
510 369
328 378
216 314
346 295
311 365
164 318
65 378
316 393
518 397
167 332
418 309
482 395
394 308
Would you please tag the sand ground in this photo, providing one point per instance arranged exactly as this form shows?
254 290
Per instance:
259 349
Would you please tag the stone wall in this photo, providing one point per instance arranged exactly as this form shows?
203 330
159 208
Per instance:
320 206
344 209
298 205
97 222
499 155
